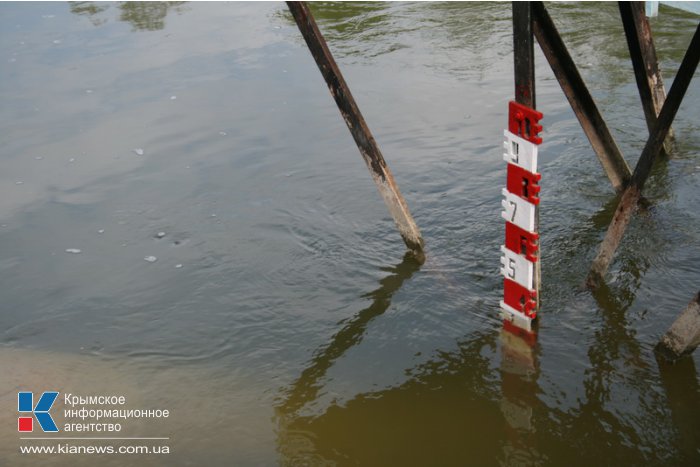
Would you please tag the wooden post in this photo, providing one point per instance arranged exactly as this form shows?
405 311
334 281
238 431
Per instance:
645 64
630 197
684 334
524 73
579 98
358 127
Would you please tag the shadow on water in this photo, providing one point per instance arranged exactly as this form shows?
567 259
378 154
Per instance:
613 340
305 389
445 403
143 16
479 412
520 371
451 401
614 350
680 381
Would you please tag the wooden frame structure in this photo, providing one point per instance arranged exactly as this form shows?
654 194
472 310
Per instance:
531 19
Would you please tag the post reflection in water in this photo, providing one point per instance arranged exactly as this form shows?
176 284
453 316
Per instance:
450 401
474 411
445 410
613 340
680 381
519 374
305 389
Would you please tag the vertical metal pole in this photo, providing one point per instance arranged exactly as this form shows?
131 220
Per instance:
646 67
524 72
524 54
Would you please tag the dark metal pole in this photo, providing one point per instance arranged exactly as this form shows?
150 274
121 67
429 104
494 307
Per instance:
646 67
579 98
524 55
524 71
358 127
630 197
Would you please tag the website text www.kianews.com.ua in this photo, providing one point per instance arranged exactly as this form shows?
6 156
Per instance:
66 448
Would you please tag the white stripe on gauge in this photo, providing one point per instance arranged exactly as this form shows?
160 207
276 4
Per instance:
520 152
516 268
518 211
515 317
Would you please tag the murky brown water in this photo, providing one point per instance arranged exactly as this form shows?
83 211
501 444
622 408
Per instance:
280 322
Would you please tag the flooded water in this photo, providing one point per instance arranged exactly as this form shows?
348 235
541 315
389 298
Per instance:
186 221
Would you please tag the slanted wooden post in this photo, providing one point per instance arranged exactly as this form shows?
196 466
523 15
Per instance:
631 195
358 127
579 98
645 63
684 334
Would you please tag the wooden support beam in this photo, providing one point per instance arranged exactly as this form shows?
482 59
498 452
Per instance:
524 73
684 334
579 98
630 198
358 127
646 67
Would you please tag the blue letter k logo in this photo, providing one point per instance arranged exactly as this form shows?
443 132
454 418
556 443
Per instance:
25 403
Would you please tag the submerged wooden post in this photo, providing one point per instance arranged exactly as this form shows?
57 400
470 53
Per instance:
645 64
632 193
579 98
358 127
684 334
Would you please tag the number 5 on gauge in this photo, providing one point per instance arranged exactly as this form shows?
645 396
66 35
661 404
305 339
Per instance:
516 267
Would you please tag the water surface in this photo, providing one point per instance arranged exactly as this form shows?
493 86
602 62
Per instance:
294 330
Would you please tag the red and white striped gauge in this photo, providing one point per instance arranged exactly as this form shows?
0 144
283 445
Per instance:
521 197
